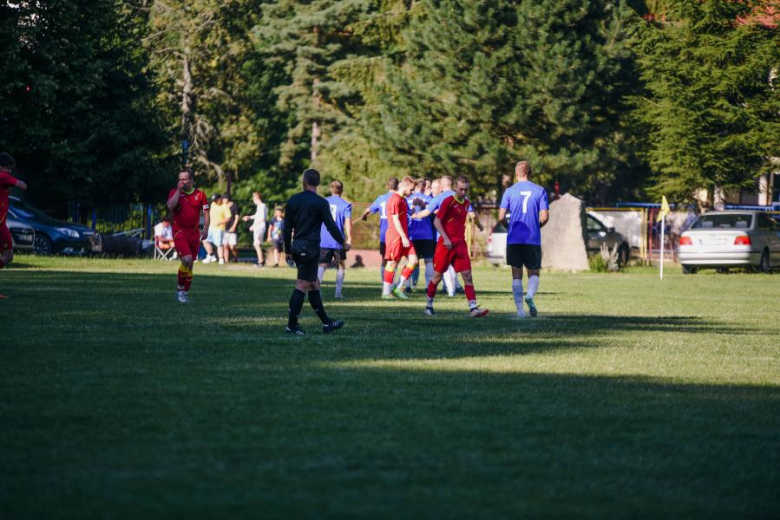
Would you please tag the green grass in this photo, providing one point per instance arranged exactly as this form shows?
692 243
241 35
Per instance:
628 396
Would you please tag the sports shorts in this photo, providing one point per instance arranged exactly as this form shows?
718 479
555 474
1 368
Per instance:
306 257
327 255
216 236
457 257
425 248
278 243
528 255
395 250
186 242
6 240
258 234
231 239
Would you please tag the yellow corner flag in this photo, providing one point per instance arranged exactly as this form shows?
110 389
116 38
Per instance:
665 210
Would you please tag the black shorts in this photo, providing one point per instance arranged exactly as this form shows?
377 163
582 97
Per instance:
278 244
519 255
425 248
306 257
327 255
382 249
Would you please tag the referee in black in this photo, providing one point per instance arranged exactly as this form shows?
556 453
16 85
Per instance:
306 212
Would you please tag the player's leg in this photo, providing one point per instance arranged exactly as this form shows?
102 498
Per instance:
342 271
388 277
449 282
182 245
324 260
532 258
307 272
462 264
412 260
514 257
441 261
383 266
306 281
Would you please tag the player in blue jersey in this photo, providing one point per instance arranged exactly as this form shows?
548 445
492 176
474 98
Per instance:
380 206
528 210
421 234
341 210
451 283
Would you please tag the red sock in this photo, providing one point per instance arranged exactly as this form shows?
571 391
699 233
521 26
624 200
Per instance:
431 291
389 276
471 294
188 282
407 272
182 277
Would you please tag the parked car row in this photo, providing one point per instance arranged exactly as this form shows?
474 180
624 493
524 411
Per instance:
598 235
49 236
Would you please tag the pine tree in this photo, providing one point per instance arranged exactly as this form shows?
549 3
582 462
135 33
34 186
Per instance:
711 113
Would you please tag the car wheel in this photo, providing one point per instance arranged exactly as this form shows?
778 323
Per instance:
763 265
43 245
686 269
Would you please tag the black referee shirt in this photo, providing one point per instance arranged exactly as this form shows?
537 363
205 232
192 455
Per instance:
306 212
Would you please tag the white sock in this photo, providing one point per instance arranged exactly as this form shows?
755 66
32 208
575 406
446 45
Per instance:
340 280
449 285
428 272
382 272
517 292
321 273
533 286
386 287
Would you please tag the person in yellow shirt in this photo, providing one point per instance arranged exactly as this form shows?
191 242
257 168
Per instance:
219 215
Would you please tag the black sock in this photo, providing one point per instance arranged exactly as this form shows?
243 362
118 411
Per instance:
315 300
296 304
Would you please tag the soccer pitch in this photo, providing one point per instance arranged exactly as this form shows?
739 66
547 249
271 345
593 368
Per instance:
628 396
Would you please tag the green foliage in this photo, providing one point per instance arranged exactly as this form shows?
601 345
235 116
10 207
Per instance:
710 115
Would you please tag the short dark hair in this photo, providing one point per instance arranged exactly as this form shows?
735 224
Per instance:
392 183
462 178
337 186
166 219
311 177
6 161
188 170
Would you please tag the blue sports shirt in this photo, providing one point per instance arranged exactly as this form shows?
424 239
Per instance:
380 205
523 202
341 210
419 228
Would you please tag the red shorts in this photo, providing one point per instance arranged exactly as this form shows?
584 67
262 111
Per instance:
458 257
6 241
394 251
186 242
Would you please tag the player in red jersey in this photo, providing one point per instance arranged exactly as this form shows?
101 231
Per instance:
186 203
451 248
7 182
397 240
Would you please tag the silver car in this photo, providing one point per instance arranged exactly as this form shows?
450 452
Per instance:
598 234
724 239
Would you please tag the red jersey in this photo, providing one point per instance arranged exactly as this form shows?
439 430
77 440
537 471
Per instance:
187 212
396 205
6 183
452 214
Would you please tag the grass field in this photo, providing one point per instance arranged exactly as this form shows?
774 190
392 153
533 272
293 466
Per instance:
626 397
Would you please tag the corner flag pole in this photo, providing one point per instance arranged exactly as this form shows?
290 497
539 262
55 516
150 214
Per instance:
662 219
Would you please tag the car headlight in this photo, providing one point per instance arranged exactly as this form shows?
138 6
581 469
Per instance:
69 232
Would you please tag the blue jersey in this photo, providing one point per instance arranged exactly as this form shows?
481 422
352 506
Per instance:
380 205
523 202
419 228
341 210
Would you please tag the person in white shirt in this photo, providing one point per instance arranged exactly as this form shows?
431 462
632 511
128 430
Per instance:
258 226
163 235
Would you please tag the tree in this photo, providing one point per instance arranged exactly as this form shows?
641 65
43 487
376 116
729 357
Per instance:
710 115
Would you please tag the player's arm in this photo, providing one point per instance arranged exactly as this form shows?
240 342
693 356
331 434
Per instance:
348 227
21 185
174 200
475 218
544 216
288 224
440 228
422 214
502 216
400 229
204 233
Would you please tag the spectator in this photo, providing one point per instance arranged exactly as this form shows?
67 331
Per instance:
231 230
163 235
276 234
219 215
258 226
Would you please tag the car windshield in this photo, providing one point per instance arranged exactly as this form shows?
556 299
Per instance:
22 210
724 221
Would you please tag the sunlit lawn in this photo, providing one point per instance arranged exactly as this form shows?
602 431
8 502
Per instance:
628 396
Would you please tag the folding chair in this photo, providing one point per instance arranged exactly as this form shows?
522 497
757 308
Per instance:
163 254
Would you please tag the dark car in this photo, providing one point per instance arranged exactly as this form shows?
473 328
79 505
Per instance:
54 236
23 235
